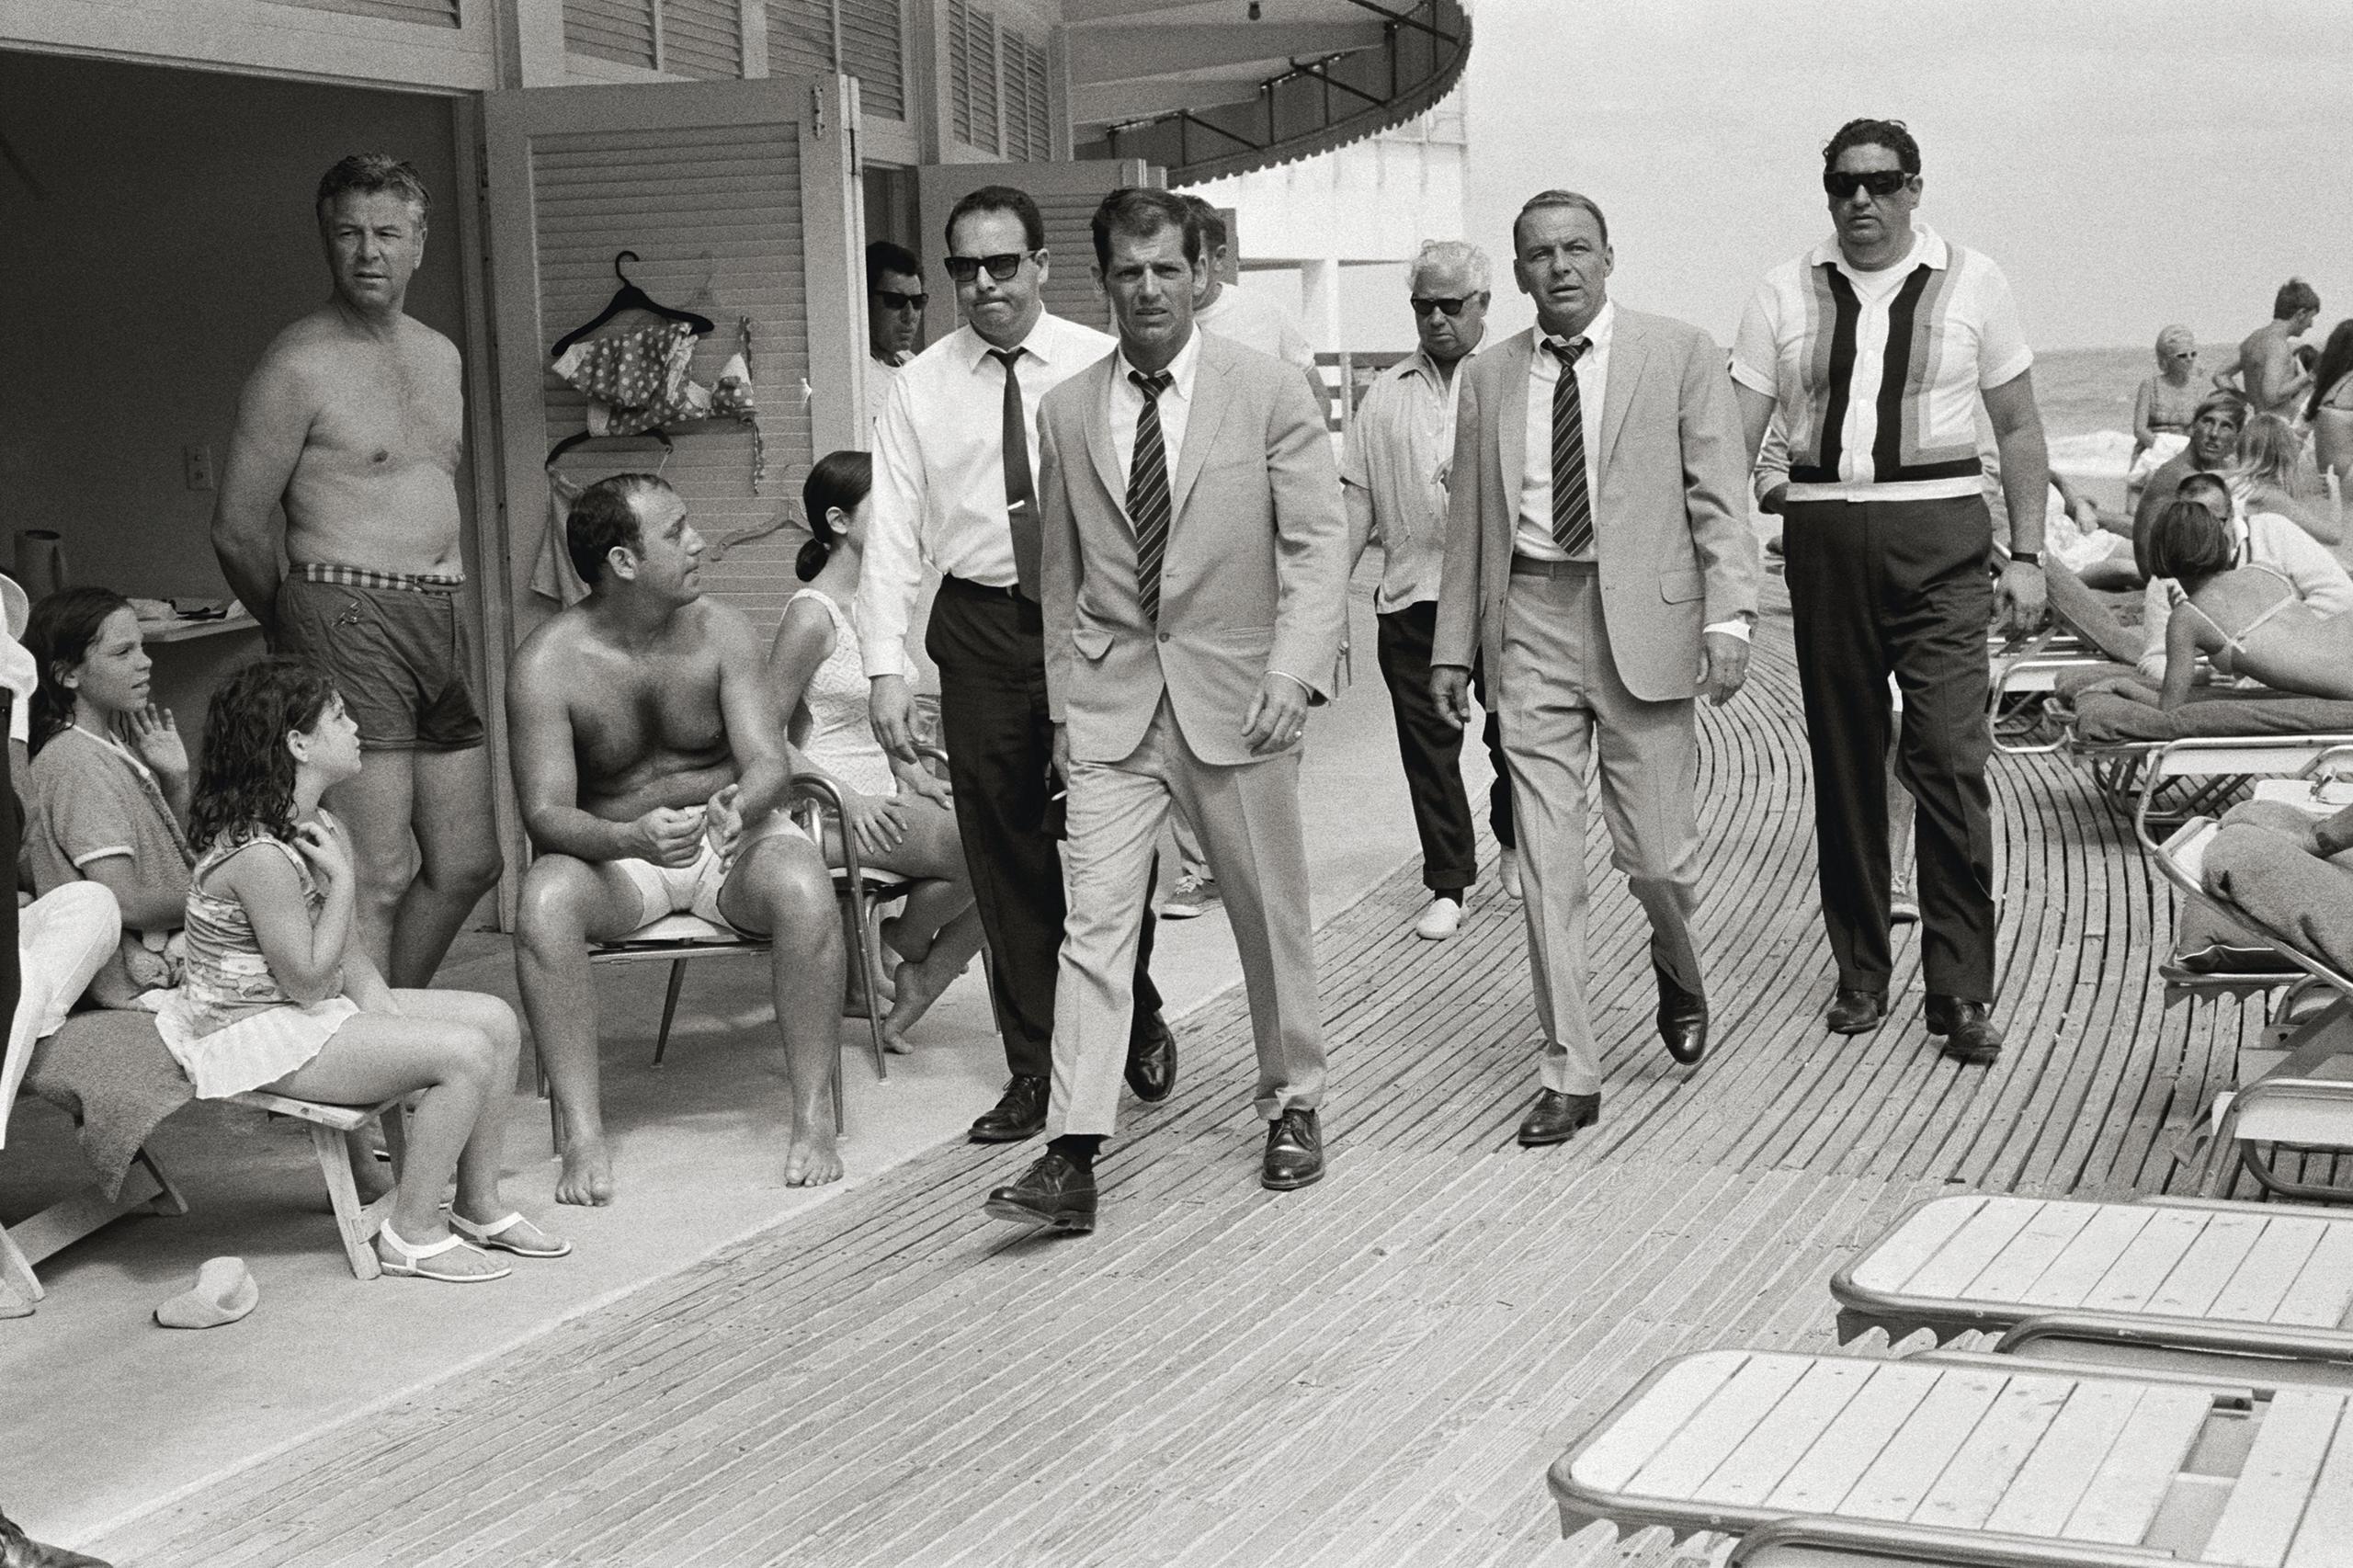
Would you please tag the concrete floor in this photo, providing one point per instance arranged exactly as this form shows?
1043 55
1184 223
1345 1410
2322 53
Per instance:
110 1415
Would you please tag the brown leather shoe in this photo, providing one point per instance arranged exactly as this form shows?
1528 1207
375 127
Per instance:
1972 1036
1020 1114
1856 1012
1682 1019
1555 1117
1052 1192
18 1550
1294 1151
1152 1059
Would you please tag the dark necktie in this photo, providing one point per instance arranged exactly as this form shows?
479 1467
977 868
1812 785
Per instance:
1572 501
1148 491
1020 494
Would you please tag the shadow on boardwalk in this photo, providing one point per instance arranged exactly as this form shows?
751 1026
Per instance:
1375 1370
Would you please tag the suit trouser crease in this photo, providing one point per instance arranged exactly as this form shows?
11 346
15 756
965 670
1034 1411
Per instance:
993 720
1429 744
1249 820
1898 588
1566 715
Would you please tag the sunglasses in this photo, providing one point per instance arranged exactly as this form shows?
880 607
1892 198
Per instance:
1423 305
965 268
892 300
1879 182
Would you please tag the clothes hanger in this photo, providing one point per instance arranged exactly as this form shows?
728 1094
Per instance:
629 296
578 436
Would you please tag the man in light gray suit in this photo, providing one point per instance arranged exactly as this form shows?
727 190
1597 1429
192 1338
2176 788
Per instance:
1599 554
1195 569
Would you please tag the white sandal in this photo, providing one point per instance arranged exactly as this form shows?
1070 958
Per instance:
492 1234
411 1262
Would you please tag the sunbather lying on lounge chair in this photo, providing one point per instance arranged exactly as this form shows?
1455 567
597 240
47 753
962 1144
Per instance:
2289 870
2250 617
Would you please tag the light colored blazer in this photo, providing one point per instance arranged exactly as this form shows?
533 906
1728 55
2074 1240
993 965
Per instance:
1257 572
1670 504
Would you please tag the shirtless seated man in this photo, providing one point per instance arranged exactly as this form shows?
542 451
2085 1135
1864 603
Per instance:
652 770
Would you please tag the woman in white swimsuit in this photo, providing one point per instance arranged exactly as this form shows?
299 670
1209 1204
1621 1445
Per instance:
2278 639
904 819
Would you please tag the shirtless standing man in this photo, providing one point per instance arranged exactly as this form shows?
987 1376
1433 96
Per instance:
353 423
2266 368
652 770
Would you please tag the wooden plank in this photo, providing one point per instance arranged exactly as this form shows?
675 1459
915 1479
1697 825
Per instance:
2142 1269
2208 1266
1900 1255
2323 1286
2327 1524
2255 1291
1983 1467
1665 1407
1908 1468
2078 1270
1750 1471
2013 1271
2069 1456
1977 1243
2259 1522
1831 1465
2132 1480
1745 1399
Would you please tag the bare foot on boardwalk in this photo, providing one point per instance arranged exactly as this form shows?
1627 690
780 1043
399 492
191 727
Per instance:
813 1160
588 1174
917 989
902 940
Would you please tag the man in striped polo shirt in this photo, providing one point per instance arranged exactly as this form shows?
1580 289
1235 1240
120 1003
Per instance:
1875 347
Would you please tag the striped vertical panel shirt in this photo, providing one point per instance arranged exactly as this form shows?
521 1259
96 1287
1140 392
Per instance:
1879 374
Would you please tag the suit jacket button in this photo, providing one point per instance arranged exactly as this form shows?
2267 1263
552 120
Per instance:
1164 637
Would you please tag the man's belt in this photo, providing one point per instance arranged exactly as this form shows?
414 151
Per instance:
1529 566
366 577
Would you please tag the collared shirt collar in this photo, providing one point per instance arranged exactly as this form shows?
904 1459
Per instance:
1420 363
1043 341
1188 360
1597 334
1927 247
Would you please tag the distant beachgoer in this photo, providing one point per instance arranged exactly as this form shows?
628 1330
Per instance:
2330 412
2264 368
2164 407
2271 473
2213 447
2249 617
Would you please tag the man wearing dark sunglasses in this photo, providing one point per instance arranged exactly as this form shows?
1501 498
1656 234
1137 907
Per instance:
955 467
1877 348
895 302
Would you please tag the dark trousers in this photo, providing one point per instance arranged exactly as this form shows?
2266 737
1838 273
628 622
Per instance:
1898 588
992 660
1431 748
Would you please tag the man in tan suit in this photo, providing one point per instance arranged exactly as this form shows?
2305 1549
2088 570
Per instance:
1195 565
1599 555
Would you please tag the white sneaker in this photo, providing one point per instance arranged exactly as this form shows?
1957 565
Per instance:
1510 873
1193 896
1441 920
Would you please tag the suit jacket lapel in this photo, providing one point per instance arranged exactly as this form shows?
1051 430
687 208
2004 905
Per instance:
1511 426
1201 426
1629 349
1098 435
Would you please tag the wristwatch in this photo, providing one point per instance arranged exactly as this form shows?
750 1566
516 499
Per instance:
2031 557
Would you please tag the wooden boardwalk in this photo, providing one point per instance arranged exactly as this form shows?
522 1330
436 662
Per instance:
1372 1371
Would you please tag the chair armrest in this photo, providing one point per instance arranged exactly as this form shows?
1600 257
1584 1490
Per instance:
820 790
1929 1543
2181 1333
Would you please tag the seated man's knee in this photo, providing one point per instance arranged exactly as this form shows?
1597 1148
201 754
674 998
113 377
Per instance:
791 887
551 916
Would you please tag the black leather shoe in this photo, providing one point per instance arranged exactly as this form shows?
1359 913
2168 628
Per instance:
1020 1114
1294 1151
1151 1060
1682 1019
1970 1036
1856 1012
1555 1117
1052 1192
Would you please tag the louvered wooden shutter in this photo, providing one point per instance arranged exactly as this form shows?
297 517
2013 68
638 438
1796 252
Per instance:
983 55
1016 97
705 182
800 38
618 30
873 50
1042 119
959 69
703 38
431 13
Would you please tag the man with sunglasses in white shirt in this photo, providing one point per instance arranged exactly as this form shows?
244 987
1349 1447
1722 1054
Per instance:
895 302
955 469
1875 347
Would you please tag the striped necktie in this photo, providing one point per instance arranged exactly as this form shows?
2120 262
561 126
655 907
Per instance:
1148 491
1572 500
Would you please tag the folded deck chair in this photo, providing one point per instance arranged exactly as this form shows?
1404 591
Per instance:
1962 1459
2163 1282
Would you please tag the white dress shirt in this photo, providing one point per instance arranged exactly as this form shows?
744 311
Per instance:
1534 537
1175 407
1255 320
940 472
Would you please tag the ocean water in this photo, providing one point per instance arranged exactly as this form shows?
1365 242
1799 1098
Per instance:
2085 395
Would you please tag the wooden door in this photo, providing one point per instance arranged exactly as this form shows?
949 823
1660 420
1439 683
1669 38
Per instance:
1066 194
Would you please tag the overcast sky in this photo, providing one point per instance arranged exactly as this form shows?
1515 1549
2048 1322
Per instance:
2127 162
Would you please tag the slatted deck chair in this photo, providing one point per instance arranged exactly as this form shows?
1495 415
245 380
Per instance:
2302 1096
2159 1282
1956 1457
